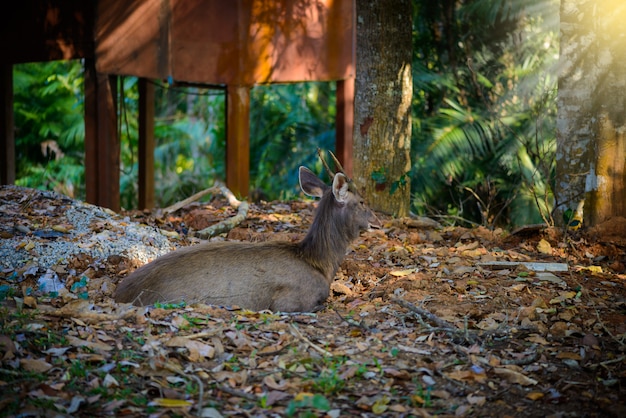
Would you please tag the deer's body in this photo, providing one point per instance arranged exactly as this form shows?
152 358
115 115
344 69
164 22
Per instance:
279 276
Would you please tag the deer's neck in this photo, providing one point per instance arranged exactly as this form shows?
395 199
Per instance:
326 242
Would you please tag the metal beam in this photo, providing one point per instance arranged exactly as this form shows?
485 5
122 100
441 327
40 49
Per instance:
344 123
102 144
146 144
238 139
7 131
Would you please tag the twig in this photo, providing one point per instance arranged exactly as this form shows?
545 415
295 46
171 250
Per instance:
298 334
424 313
237 393
90 316
621 343
197 196
607 362
200 392
352 322
524 360
225 225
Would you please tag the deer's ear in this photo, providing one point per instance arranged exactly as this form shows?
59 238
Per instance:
310 184
340 187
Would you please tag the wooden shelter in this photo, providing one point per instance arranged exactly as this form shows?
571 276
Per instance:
235 45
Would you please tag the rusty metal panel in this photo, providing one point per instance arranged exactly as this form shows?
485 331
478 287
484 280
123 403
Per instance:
205 41
226 42
44 30
132 37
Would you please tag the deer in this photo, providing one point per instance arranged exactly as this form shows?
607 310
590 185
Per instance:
278 276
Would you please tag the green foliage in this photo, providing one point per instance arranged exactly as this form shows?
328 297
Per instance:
178 305
309 406
484 110
483 142
48 117
288 124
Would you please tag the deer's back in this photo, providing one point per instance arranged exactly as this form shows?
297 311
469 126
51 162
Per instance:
253 276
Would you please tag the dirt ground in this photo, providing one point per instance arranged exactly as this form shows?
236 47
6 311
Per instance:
421 322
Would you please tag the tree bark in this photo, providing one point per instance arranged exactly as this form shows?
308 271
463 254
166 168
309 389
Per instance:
383 92
591 121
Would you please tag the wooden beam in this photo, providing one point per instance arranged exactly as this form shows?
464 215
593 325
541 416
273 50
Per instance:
238 139
344 123
146 144
102 144
7 131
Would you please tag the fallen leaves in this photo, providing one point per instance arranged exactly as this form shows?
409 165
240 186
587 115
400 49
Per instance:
420 322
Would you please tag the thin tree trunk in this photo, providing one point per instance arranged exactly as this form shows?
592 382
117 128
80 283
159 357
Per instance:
383 92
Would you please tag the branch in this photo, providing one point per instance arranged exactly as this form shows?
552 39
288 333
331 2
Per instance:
173 208
426 314
225 225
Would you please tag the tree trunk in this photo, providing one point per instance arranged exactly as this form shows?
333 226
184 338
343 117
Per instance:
383 92
591 123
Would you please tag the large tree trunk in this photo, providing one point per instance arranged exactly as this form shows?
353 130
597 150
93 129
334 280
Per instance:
383 92
591 125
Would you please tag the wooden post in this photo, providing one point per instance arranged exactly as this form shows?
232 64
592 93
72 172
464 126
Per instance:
344 123
102 144
238 139
7 135
146 144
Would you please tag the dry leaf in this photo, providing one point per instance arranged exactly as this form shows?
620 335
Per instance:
568 355
381 405
64 228
544 247
30 301
271 383
441 394
537 339
97 346
276 395
34 365
170 403
467 375
534 396
199 350
402 273
476 400
7 346
462 410
514 377
488 324
110 381
563 296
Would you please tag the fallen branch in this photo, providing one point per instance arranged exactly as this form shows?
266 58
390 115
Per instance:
81 309
220 227
225 225
178 205
426 314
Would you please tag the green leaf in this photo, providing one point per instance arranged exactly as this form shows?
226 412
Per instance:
379 176
567 216
320 402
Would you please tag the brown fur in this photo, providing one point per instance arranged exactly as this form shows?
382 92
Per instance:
279 276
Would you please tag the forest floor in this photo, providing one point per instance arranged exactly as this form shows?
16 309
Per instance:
420 322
